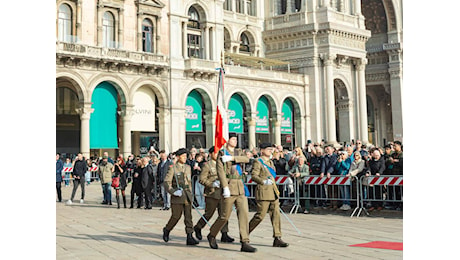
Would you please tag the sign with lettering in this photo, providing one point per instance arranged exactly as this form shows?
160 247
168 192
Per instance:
286 117
262 119
194 112
143 118
235 115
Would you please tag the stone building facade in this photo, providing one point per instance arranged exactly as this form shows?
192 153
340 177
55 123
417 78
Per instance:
132 74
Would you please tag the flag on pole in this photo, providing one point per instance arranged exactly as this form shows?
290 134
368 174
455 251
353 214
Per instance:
221 135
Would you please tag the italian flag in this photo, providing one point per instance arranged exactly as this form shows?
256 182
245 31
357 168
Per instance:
221 135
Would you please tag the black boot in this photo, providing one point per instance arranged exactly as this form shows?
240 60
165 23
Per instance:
212 242
246 247
165 235
279 243
191 241
124 201
118 201
198 233
226 238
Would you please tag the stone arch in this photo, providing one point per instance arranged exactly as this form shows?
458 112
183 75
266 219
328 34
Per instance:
343 111
245 96
117 82
269 95
156 87
73 81
251 34
201 7
227 38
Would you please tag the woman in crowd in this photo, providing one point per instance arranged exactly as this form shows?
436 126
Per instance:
120 171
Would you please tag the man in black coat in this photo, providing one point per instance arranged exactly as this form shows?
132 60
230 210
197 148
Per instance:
163 167
376 168
147 181
328 167
79 169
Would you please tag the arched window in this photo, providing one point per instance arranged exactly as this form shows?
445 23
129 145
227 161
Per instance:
228 5
147 36
194 18
108 30
244 43
194 37
65 23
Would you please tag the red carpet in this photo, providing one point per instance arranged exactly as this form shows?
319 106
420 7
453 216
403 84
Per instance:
382 245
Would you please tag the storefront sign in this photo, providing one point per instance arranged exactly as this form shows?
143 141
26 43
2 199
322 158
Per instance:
286 117
193 112
262 119
144 111
235 115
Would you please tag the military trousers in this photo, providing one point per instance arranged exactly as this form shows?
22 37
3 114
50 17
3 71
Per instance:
176 213
211 205
273 209
242 210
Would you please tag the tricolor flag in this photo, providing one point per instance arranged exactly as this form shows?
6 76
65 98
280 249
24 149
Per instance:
221 135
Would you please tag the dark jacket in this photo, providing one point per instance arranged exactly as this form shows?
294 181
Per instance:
59 167
137 180
328 163
80 168
315 165
377 166
280 166
163 170
397 166
147 177
122 175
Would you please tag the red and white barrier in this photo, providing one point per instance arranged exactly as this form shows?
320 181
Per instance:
382 180
280 180
333 180
70 169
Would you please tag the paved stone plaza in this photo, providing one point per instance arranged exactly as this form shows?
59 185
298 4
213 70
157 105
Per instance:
95 231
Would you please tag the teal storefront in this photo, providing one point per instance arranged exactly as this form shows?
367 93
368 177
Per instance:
236 123
287 124
103 123
263 121
194 113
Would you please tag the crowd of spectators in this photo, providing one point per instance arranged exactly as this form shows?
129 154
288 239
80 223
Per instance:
146 173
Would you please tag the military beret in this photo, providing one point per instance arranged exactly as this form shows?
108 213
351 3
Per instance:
230 135
266 145
181 151
211 150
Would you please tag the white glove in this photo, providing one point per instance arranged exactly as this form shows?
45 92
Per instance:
226 158
216 184
226 192
268 182
178 193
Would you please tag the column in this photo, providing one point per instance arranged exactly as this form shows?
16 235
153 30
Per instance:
277 127
206 42
289 6
78 22
164 121
85 114
184 40
158 35
210 119
396 98
100 14
357 7
251 131
120 27
363 131
139 31
330 100
383 120
127 115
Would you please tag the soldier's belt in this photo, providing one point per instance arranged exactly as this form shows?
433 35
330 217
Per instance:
235 177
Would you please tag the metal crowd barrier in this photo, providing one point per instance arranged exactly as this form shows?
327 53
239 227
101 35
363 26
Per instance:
282 182
333 189
381 189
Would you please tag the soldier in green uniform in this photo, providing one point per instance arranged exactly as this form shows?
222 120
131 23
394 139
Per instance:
267 194
178 182
213 197
229 170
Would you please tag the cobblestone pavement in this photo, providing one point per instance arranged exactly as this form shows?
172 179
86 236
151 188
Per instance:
94 231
